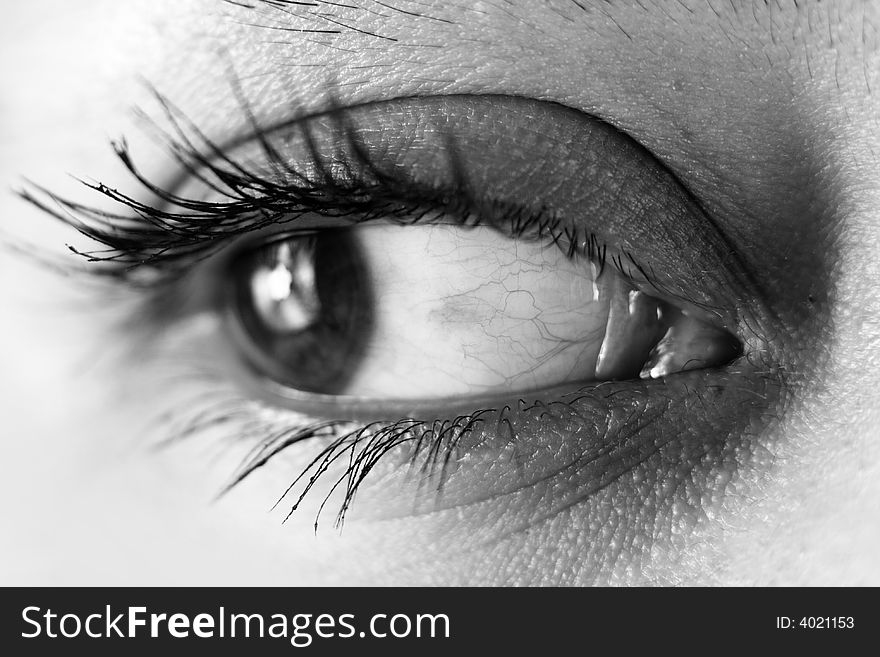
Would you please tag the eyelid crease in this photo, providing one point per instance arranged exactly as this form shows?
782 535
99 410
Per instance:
129 253
335 108
593 173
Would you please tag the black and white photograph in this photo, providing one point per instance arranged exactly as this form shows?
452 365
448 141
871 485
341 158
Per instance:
421 293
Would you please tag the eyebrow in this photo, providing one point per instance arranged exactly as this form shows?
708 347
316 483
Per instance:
283 4
336 24
606 8
395 21
728 8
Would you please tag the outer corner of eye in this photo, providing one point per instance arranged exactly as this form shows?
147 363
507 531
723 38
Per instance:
389 312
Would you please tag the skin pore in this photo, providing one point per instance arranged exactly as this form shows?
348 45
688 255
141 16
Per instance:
767 113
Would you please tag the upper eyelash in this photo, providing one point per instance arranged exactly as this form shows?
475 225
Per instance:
180 231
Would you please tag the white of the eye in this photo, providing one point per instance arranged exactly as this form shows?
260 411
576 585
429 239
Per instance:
464 311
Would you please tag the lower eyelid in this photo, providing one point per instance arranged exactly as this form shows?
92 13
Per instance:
550 453
648 443
584 441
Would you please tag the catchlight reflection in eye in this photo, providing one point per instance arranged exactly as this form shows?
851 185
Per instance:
433 311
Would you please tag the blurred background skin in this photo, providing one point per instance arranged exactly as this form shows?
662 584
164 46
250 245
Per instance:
82 502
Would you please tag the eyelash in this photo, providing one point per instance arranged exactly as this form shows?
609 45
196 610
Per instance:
171 238
174 235
432 449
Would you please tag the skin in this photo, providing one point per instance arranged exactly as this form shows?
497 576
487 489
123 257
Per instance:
771 116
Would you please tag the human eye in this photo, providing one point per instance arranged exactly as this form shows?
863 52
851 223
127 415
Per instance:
435 291
366 275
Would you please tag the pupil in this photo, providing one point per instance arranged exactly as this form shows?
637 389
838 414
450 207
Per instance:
305 307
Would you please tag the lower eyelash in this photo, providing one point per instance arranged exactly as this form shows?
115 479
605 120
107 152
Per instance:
431 448
428 450
336 455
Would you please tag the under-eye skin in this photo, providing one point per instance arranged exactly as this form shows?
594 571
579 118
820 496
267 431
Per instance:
687 401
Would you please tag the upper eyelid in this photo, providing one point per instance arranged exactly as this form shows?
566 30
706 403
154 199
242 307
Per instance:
204 152
687 203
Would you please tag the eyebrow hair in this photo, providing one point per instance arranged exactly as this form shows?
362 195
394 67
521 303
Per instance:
281 4
583 5
724 8
337 18
335 24
729 7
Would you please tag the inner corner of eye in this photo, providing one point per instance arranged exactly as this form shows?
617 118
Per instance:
438 311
